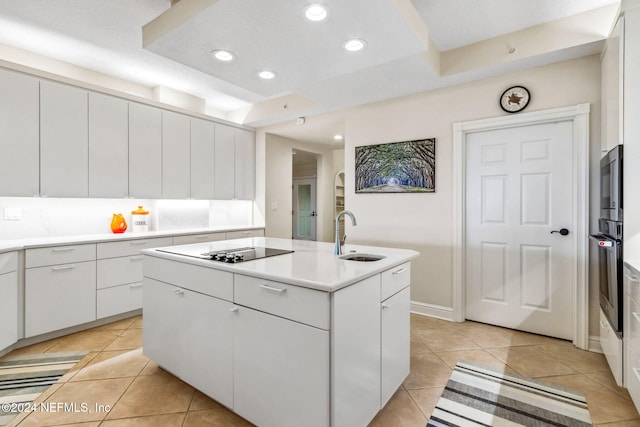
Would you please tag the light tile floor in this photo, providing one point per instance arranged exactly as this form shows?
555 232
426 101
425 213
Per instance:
116 373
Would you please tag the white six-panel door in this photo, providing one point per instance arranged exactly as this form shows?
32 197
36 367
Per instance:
519 190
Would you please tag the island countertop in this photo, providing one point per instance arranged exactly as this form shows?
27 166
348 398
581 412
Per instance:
311 264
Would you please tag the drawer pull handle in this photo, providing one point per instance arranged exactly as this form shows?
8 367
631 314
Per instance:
65 267
632 278
135 285
178 292
636 315
385 306
139 242
136 258
399 271
63 249
272 289
604 324
234 309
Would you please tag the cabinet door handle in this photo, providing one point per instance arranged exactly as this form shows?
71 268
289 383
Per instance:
136 258
272 289
63 249
234 309
636 315
138 242
399 271
633 279
636 371
604 324
135 285
64 267
385 306
178 292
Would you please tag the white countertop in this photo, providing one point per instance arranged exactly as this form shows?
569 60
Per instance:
19 244
311 265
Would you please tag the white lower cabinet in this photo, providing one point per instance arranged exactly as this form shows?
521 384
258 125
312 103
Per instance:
198 238
632 332
8 299
119 275
280 370
277 354
190 335
611 347
395 347
59 296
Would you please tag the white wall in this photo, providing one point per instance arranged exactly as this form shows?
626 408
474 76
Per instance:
424 222
278 182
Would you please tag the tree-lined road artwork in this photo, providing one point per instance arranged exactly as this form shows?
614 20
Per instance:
399 167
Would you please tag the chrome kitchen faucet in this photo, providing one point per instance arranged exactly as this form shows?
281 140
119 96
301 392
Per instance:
338 248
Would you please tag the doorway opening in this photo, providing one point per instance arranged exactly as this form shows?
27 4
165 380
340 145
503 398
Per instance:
305 172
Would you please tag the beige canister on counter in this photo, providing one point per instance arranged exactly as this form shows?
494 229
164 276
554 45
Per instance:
140 220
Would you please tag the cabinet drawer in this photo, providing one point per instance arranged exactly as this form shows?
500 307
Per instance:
632 279
8 262
244 233
633 337
633 376
394 280
198 238
291 302
207 281
611 347
60 255
130 247
59 296
119 299
119 271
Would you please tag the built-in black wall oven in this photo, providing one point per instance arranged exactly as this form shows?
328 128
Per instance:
608 240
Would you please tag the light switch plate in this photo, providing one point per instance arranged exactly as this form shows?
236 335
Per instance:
12 214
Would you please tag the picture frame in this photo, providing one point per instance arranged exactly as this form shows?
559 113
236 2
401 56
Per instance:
396 167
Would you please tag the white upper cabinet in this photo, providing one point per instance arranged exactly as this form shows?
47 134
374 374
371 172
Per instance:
64 147
244 164
145 151
19 135
234 163
176 156
108 146
202 159
224 168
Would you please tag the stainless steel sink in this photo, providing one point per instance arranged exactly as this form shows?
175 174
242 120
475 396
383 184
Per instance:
362 257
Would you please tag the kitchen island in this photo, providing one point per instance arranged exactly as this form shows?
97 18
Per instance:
300 338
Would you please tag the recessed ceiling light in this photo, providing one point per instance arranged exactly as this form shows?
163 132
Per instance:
316 12
223 55
354 45
266 74
337 137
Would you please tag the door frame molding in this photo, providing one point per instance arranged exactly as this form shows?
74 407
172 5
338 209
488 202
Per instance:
579 115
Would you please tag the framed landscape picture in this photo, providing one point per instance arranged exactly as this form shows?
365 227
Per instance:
397 167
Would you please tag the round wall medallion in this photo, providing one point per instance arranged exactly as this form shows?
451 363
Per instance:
514 99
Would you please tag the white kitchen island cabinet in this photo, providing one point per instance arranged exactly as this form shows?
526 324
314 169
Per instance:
303 338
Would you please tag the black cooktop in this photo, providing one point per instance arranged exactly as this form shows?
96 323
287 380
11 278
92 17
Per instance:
234 255
244 254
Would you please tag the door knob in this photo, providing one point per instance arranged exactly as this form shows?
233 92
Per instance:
562 231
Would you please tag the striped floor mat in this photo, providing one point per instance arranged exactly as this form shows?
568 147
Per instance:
479 396
24 378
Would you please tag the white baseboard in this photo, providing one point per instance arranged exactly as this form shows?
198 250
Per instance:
431 310
594 344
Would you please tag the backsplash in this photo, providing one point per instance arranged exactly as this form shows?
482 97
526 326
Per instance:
50 217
